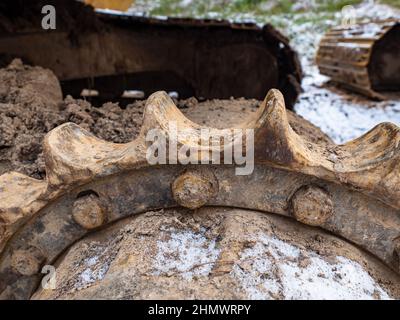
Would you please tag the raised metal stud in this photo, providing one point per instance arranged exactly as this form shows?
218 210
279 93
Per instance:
88 212
193 189
312 205
28 261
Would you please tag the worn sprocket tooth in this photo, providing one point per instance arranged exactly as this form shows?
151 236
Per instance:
351 190
370 164
161 111
73 155
20 199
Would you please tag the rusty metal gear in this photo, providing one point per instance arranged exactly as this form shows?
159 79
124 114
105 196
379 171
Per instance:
350 190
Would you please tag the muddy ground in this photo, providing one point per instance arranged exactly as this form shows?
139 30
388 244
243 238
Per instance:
217 253
31 104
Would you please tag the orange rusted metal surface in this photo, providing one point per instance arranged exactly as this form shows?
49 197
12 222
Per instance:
122 5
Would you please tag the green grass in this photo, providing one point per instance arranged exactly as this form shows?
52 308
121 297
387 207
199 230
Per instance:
255 6
280 13
226 8
231 7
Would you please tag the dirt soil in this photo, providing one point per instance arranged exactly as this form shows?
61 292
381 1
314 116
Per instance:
217 253
31 105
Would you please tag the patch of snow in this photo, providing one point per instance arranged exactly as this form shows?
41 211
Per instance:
94 267
110 12
92 261
302 5
371 10
271 269
185 3
185 252
274 269
89 275
344 119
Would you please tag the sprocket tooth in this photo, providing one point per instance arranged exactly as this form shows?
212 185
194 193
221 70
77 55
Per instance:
14 208
277 143
161 112
372 162
73 156
88 185
369 164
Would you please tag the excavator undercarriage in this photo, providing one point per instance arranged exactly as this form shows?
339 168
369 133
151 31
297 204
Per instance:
269 192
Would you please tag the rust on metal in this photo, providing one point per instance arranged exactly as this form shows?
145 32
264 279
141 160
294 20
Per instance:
121 5
193 189
312 205
363 57
351 190
89 212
